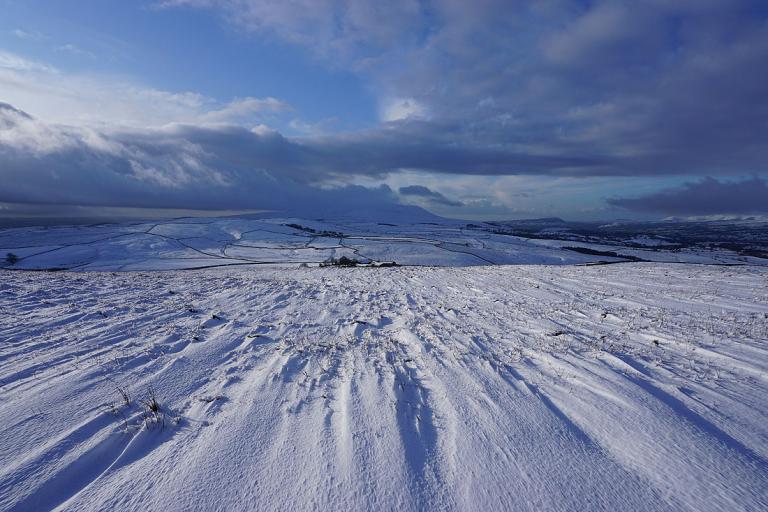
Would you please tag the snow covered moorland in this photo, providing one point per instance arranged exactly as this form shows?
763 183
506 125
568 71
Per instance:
246 377
266 239
637 386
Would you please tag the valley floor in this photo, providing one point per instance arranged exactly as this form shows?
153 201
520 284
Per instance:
617 387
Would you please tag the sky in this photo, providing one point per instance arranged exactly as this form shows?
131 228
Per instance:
488 109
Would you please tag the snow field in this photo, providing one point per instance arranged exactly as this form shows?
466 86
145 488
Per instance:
619 387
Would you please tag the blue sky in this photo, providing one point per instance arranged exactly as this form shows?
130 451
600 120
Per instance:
491 109
182 50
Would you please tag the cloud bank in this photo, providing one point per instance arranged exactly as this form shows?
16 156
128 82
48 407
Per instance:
561 88
641 88
170 167
708 196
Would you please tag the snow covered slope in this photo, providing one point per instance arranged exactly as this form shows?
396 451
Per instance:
266 239
620 387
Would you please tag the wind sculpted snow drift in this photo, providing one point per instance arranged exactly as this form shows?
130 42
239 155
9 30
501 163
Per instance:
623 387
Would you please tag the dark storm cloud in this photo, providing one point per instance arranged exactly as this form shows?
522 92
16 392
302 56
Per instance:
223 166
705 197
174 167
428 194
568 87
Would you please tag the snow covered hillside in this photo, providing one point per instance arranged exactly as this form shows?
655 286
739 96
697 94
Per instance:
623 387
193 243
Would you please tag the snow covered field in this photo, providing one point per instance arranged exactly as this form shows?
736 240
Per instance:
193 243
637 386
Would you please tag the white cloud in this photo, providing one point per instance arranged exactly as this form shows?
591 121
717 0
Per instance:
242 109
398 109
104 101
11 61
